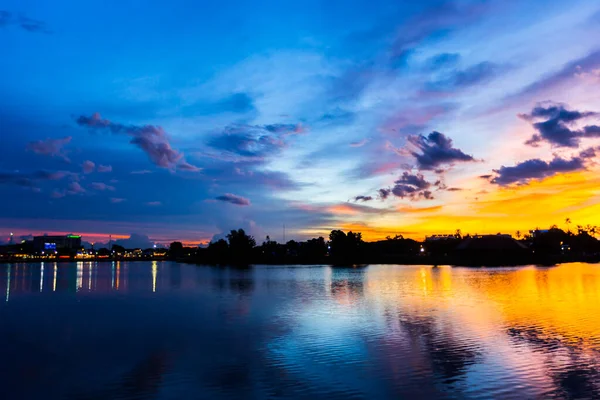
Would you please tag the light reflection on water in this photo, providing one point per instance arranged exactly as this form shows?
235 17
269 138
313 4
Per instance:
165 330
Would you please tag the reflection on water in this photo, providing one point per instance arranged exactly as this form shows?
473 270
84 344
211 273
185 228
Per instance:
163 330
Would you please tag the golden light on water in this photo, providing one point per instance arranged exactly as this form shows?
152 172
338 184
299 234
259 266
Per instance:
154 272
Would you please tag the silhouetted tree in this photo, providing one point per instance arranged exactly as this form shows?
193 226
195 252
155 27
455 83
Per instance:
217 252
345 247
118 249
176 249
240 246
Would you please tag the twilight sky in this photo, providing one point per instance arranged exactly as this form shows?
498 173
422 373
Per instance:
187 119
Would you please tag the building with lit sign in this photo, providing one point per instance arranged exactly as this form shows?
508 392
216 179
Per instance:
55 243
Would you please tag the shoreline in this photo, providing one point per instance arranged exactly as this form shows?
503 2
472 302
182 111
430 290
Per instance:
420 260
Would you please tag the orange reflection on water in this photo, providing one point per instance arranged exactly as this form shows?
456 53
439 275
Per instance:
560 302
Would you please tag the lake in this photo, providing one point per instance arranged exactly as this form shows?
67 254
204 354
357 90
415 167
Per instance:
162 330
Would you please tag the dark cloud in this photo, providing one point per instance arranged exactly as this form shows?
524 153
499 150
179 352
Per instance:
253 142
525 171
454 189
383 194
412 186
283 128
29 179
25 23
556 126
151 139
51 147
234 199
363 198
436 149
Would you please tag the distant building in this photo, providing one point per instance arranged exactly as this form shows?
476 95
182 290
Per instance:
55 243
434 238
537 232
491 246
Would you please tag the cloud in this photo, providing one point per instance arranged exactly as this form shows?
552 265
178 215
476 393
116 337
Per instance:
436 149
75 188
253 142
141 172
22 179
102 186
412 186
151 139
154 203
25 23
51 147
383 194
88 167
476 74
359 143
104 168
556 126
233 199
528 170
116 200
568 72
135 241
363 198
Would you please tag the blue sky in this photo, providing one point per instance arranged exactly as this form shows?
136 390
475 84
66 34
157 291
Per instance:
187 119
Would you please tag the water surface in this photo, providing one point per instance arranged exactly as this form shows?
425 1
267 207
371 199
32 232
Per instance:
160 330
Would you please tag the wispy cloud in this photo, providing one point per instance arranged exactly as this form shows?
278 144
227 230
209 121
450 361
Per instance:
51 147
104 168
233 199
151 139
102 186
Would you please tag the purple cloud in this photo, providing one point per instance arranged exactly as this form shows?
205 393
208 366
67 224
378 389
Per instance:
88 167
233 199
104 168
102 186
532 169
556 126
363 198
75 188
154 203
383 194
151 139
412 186
436 149
116 200
51 147
29 179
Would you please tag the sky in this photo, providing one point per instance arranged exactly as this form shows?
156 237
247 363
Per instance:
182 121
